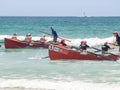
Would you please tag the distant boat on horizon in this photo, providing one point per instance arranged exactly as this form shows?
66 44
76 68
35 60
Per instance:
84 14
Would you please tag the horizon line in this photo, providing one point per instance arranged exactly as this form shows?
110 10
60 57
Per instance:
51 16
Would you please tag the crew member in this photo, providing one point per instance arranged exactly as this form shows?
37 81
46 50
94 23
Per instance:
54 33
117 42
43 40
63 42
105 48
84 46
14 37
28 39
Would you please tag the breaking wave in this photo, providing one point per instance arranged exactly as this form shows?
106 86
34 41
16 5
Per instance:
90 41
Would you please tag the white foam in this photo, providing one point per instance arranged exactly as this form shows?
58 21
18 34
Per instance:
92 41
75 42
56 85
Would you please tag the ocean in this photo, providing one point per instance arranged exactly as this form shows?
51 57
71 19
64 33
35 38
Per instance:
24 69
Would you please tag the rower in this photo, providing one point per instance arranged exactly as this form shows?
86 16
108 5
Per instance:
43 40
63 42
28 39
14 37
83 46
117 42
54 34
105 48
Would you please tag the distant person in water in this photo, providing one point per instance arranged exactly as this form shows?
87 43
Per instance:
105 48
54 34
14 37
117 42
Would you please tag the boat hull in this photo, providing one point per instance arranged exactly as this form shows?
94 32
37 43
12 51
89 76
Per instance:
8 43
57 52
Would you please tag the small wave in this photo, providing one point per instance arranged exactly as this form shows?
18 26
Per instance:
55 85
36 57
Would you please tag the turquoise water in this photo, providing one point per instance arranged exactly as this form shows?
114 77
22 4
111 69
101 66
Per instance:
23 69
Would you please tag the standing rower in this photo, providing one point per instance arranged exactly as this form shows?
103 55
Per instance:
117 42
54 33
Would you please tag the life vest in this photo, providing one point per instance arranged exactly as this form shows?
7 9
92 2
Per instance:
105 47
84 47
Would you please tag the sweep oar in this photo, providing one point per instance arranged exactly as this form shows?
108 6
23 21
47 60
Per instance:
58 37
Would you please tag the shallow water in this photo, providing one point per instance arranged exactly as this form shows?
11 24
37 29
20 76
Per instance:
23 69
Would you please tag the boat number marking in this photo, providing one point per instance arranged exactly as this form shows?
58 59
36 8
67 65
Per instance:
51 47
56 49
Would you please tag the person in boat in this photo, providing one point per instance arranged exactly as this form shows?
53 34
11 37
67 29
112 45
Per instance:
117 42
14 37
63 42
43 40
28 39
83 46
54 34
105 48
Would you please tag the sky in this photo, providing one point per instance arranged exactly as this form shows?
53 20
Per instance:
59 7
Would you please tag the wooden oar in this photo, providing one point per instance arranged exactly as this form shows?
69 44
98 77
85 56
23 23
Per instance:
58 36
46 33
44 57
108 53
92 53
113 44
105 57
96 49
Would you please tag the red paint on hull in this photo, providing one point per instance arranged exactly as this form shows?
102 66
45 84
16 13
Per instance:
18 44
57 52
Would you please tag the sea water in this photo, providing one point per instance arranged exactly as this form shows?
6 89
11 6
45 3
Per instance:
24 69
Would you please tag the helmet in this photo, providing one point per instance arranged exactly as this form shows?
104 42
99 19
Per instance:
115 32
82 42
62 40
29 34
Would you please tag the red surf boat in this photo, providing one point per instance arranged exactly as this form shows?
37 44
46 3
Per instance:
9 43
57 52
